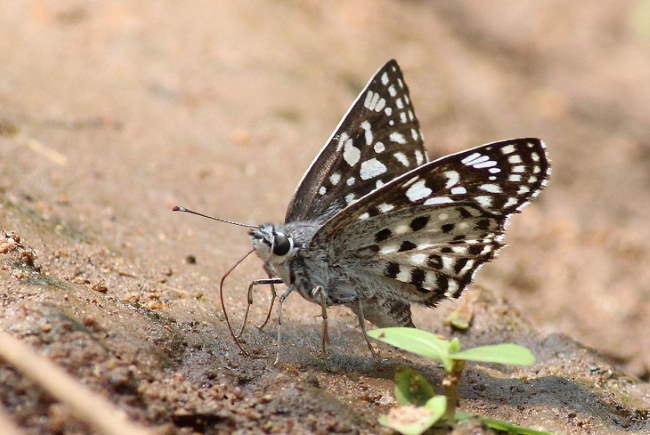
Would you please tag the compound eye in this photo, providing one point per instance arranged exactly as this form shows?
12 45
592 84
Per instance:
281 244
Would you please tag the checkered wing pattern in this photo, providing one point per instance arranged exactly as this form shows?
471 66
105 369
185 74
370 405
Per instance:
433 227
377 140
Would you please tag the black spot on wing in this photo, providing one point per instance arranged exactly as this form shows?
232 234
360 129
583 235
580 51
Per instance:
407 246
475 249
383 235
417 277
419 222
392 269
460 263
483 224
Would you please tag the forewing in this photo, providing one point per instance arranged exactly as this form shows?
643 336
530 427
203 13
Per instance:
377 140
435 226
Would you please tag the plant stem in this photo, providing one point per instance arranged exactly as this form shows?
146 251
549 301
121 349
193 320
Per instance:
450 385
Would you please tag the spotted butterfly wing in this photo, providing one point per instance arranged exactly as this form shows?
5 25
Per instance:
377 140
431 228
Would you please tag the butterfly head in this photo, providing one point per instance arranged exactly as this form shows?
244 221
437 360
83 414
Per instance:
271 245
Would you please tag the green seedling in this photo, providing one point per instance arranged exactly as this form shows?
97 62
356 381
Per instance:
419 407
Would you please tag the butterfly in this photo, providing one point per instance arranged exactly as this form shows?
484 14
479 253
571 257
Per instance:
376 227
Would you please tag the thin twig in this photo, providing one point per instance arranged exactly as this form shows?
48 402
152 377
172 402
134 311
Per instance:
87 405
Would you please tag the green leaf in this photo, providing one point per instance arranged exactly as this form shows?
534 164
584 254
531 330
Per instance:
411 388
414 340
413 420
506 353
437 405
500 425
454 345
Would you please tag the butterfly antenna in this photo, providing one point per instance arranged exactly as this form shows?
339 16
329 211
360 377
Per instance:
223 305
187 210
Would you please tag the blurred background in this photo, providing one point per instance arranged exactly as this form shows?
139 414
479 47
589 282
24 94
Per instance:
111 112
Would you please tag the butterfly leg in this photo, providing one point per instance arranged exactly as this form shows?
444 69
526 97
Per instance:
284 296
274 295
362 324
253 283
325 338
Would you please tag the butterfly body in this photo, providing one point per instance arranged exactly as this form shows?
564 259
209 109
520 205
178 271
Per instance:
376 227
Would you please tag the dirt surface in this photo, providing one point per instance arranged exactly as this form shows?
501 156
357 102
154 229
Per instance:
112 112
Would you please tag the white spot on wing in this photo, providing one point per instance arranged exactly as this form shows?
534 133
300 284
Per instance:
418 191
349 198
448 263
371 169
438 200
379 147
384 78
453 177
462 250
368 100
392 91
418 259
401 229
364 216
401 157
468 266
484 200
373 101
322 190
419 157
380 105
404 274
350 181
514 159
368 131
508 149
492 188
351 154
487 164
385 207
335 178
514 177
397 137
452 287
458 190
519 168
469 159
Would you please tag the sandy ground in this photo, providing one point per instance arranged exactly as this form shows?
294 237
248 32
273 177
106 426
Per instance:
112 112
